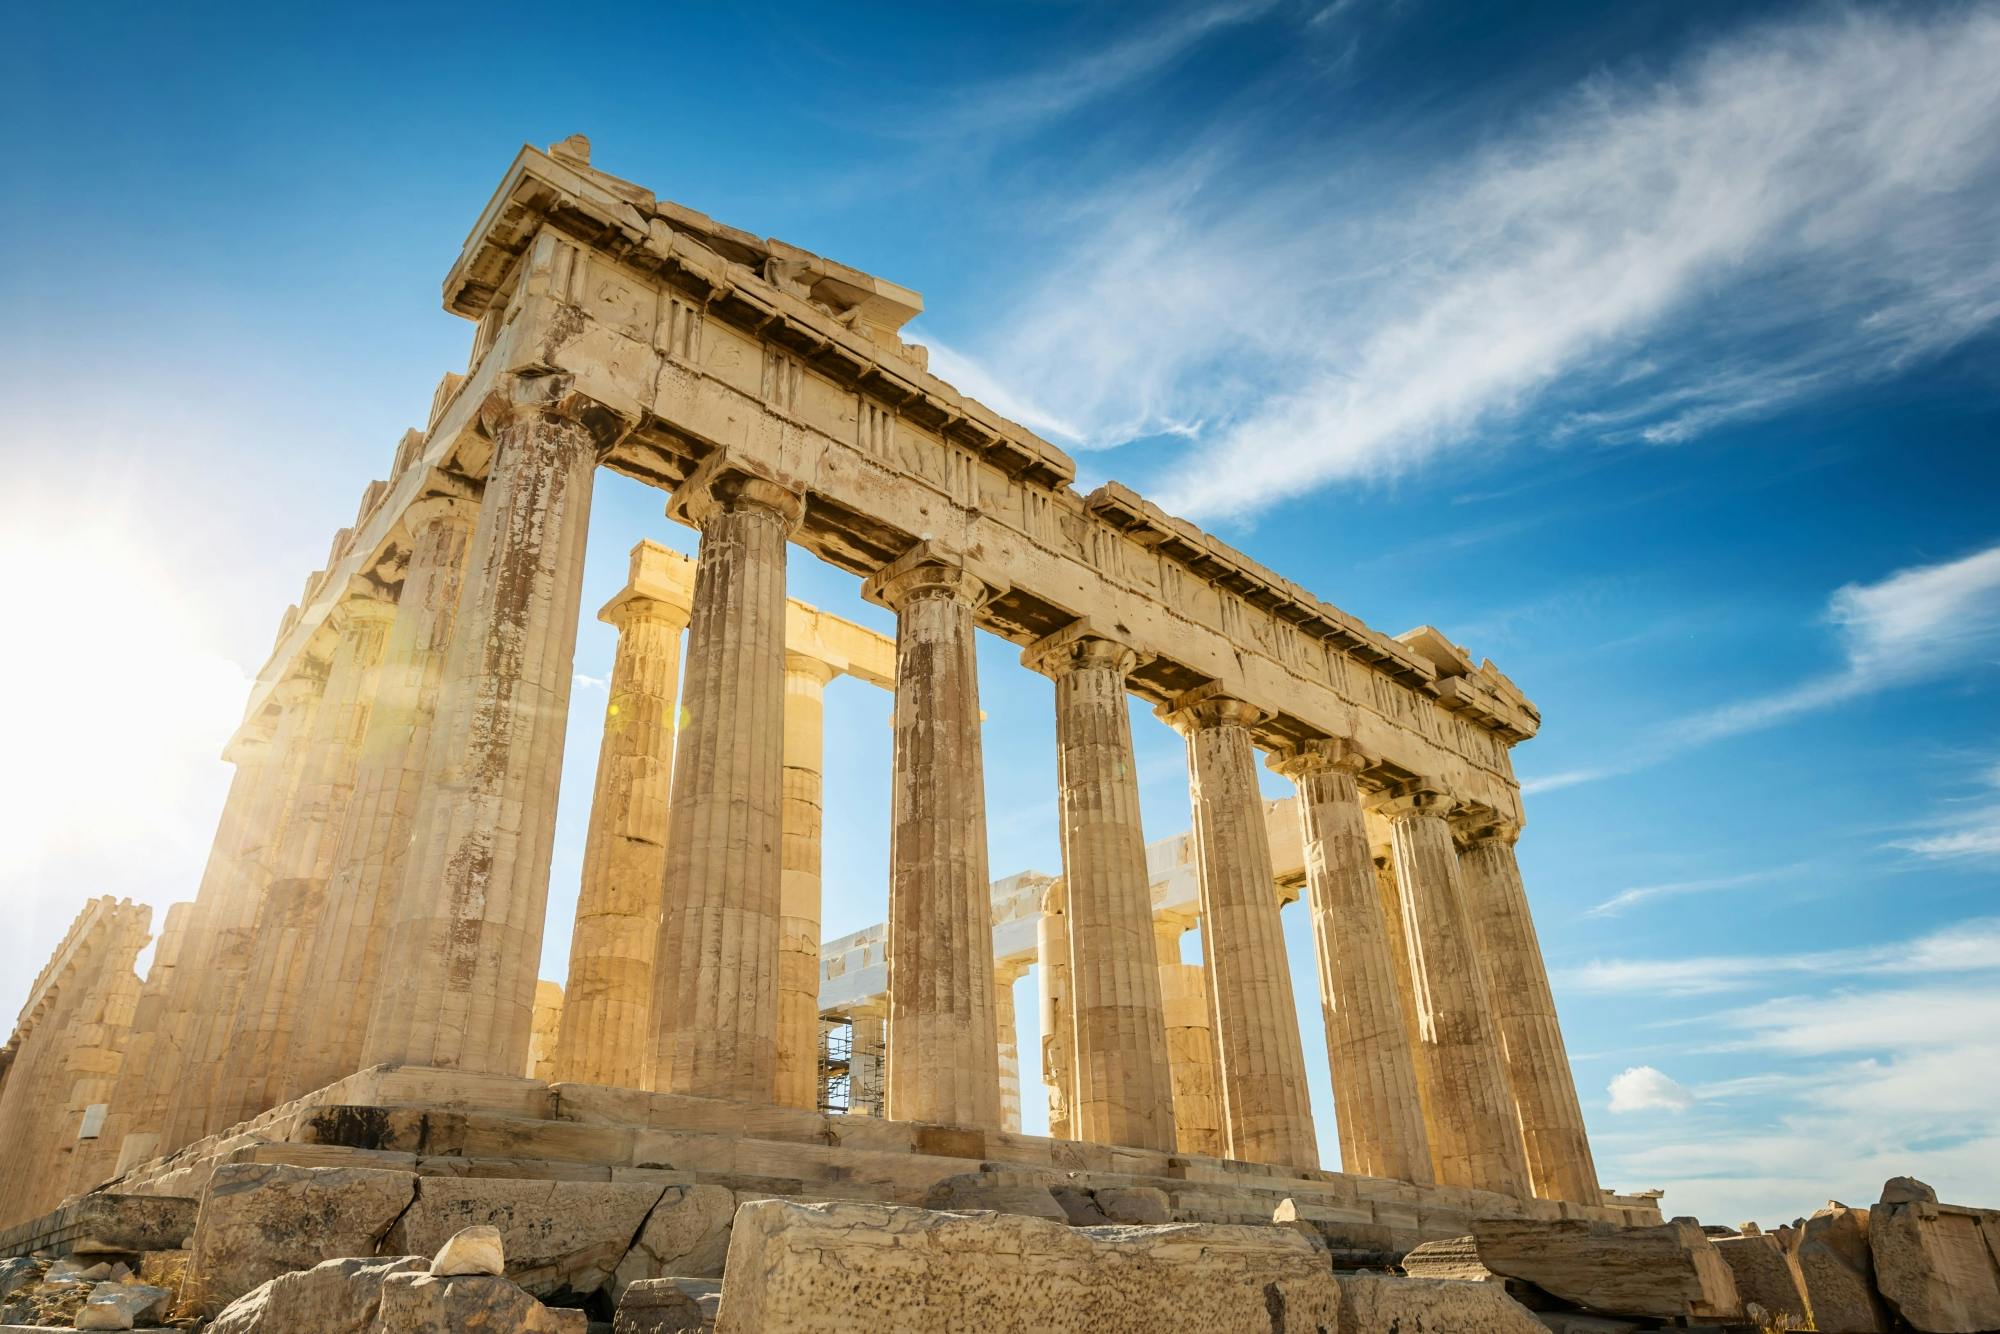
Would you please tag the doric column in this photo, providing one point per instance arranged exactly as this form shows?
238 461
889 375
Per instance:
126 1137
1124 1080
943 1059
1475 1137
868 1045
459 978
1266 1107
253 1077
1374 1077
1058 1029
344 970
606 1035
1006 1034
229 930
799 892
1391 899
1190 1042
715 1002
1538 1070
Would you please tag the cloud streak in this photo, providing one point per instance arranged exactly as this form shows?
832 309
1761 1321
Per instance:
1971 946
1627 898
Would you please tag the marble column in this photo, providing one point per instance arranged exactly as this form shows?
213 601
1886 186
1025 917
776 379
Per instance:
126 1139
1190 1042
606 1034
253 1077
944 1064
1384 858
1266 1107
799 890
344 972
1368 1053
1475 1136
460 974
868 1047
1007 1035
1124 1080
1517 981
1058 1028
230 928
715 1000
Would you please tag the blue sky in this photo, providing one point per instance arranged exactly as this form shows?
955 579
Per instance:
1649 352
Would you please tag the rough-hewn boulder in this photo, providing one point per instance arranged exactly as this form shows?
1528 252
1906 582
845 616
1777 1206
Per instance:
473 1250
1765 1273
1453 1258
987 1190
686 1236
904 1270
124 1306
1937 1265
18 1272
1665 1272
559 1236
1135 1206
1907 1190
472 1304
1839 1276
1372 1303
667 1306
333 1297
260 1220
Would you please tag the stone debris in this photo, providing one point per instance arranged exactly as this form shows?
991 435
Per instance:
333 1297
1765 1273
1936 1265
124 1306
915 1270
1664 1272
1006 1193
1838 1272
474 1250
668 1306
687 1234
430 1304
1373 1303
1456 1258
260 1220
559 1236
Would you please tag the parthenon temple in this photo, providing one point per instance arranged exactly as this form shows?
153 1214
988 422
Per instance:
355 981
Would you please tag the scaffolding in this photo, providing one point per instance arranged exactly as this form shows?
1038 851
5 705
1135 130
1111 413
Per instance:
850 1067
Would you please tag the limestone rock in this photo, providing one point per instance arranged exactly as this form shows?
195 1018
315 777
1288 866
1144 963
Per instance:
984 1190
260 1220
1079 1206
123 1306
1907 1190
686 1235
1350 1232
1665 1272
333 1297
559 1236
1838 1272
1135 1206
909 1270
1455 1258
469 1304
1765 1273
1371 1303
472 1250
668 1306
16 1273
1937 1265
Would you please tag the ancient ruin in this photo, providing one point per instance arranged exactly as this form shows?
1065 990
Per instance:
349 1014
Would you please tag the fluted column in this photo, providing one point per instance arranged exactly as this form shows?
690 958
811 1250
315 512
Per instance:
460 974
1517 980
1124 1080
229 930
868 1045
1391 899
125 1139
344 970
715 1002
1190 1043
799 893
1007 1036
1374 1079
1475 1136
606 1034
1266 1107
253 1077
1058 1027
943 1059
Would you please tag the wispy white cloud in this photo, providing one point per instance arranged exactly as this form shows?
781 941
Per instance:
1964 830
1970 946
581 681
1839 167
1645 1089
1626 898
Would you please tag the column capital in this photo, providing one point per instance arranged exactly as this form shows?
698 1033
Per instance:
306 681
1007 972
1080 644
928 570
439 505
364 604
722 484
1473 826
552 395
806 665
1416 801
1332 754
1208 706
635 604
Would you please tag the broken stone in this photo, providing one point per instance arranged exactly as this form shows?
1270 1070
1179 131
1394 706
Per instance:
123 1306
1665 1272
1079 1206
472 1250
981 1190
1937 1265
434 1304
1907 1190
687 1234
260 1220
1136 1206
333 1297
558 1236
1371 1303
1454 1258
902 1268
18 1272
668 1306
1838 1272
1765 1273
